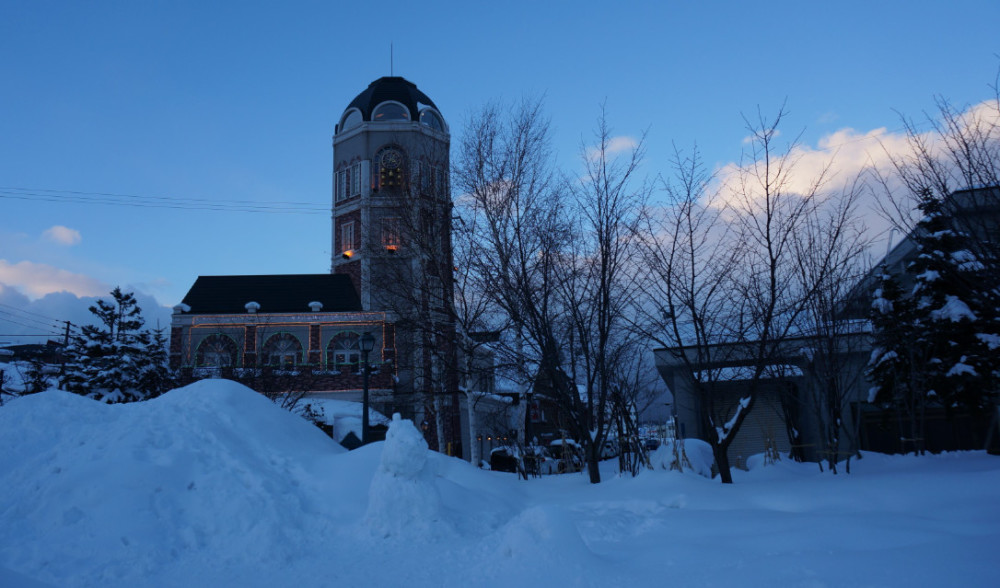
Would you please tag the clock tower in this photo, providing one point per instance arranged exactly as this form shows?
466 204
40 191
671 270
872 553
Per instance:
392 231
391 202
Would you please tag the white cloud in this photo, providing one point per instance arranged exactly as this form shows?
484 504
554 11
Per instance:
842 156
614 146
38 279
62 235
22 319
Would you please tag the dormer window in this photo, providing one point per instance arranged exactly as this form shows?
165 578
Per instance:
391 111
431 119
352 118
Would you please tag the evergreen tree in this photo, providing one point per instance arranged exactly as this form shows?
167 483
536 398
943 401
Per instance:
155 376
951 312
35 378
116 360
890 366
896 366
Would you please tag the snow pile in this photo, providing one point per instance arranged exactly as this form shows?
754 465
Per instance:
403 500
113 494
13 379
692 455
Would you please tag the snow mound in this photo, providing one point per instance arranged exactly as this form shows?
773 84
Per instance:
548 530
126 492
698 453
403 500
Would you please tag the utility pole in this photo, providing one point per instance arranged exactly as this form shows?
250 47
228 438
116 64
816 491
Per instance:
62 354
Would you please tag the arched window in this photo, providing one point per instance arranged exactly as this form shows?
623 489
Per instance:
282 350
343 352
431 119
352 118
216 351
391 111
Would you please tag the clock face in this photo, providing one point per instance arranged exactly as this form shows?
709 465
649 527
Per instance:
391 159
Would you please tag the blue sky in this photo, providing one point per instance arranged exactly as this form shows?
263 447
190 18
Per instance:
237 101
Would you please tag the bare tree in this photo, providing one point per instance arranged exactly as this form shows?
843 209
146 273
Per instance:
726 279
598 287
514 223
687 249
832 251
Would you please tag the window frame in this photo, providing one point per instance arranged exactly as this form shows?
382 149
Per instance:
389 103
351 352
347 115
348 182
269 352
347 236
441 128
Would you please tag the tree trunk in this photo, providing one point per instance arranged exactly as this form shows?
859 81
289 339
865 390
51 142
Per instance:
722 462
593 464
475 453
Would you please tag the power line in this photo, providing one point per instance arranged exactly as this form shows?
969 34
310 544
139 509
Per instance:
46 321
16 322
108 198
49 318
58 328
172 198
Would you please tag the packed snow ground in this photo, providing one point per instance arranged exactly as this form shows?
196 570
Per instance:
212 485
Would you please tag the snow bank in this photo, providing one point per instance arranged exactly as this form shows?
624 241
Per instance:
113 494
403 499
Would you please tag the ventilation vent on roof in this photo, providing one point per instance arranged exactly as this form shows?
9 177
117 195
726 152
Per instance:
316 306
252 307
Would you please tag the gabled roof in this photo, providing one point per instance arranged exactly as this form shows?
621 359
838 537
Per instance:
274 293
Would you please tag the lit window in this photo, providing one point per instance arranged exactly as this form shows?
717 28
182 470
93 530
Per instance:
343 350
390 234
282 350
391 111
431 119
347 236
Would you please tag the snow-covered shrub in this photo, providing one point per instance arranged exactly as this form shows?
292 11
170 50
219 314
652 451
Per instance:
692 455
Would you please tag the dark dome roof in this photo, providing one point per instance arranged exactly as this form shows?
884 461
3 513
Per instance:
390 88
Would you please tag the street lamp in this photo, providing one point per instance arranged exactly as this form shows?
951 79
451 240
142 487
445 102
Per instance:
367 343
